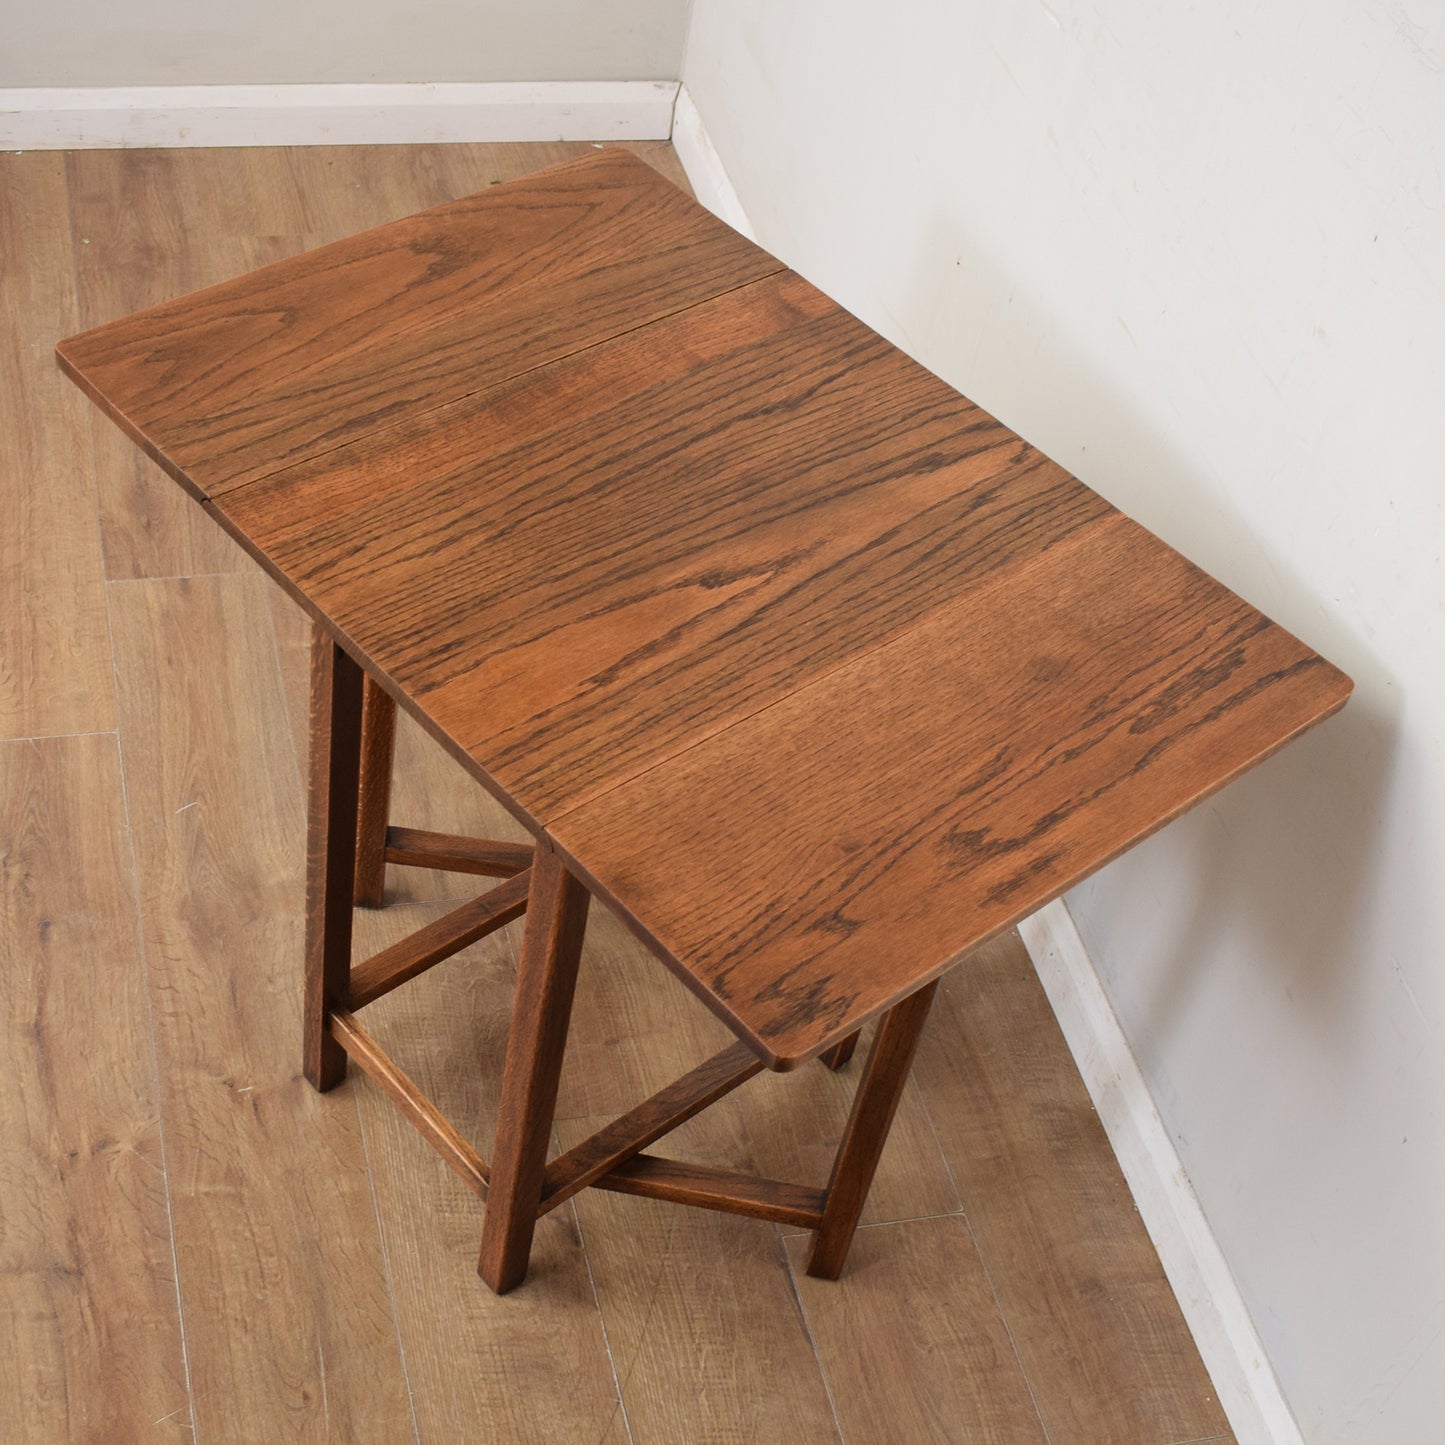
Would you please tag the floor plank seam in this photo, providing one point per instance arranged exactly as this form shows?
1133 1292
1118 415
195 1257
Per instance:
297 760
892 1224
59 737
142 947
987 1272
792 1279
602 1318
178 577
386 1263
664 1250
143 952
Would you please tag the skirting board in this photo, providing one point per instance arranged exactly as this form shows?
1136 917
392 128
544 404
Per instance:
704 167
261 115
1213 1307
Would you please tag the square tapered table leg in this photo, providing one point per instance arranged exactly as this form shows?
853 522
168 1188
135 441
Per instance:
874 1105
378 750
330 852
541 1011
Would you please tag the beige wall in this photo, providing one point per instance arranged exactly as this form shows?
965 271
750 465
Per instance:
1197 254
205 42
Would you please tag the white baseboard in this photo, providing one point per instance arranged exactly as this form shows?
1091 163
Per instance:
261 115
1213 1307
704 167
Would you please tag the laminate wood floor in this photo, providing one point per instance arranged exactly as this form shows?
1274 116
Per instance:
194 1245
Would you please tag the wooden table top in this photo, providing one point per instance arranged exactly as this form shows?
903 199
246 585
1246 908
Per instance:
812 669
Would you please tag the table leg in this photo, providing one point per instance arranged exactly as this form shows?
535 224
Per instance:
874 1105
378 748
541 1011
330 852
838 1056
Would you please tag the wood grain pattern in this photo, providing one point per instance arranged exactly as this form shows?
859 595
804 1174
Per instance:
338 191
230 383
704 1186
581 616
634 1026
55 673
282 1278
1071 1264
819 674
292 631
85 1242
913 1346
794 1122
811 873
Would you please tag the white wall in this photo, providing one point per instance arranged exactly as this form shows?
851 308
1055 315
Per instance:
1197 254
210 42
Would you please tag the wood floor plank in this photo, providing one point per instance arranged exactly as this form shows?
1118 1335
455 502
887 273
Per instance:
88 1305
149 527
55 672
147 226
530 1366
290 1329
1100 1334
345 189
291 632
911 1341
705 1332
341 190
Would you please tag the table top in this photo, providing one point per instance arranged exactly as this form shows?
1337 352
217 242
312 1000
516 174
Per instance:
813 670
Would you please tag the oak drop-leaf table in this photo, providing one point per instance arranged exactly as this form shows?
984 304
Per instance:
814 671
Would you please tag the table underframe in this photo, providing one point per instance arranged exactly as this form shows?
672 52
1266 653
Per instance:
349 843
